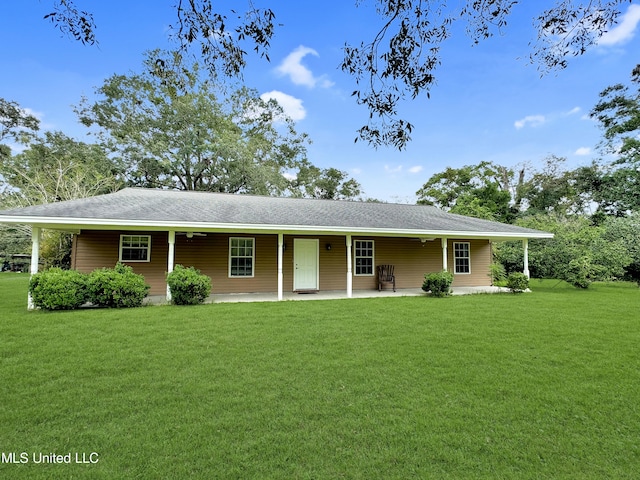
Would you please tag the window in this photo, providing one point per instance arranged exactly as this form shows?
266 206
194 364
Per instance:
462 257
135 248
241 256
363 257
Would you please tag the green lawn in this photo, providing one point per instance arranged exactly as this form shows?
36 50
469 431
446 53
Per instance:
541 385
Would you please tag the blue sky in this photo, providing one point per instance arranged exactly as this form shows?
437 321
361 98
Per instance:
489 104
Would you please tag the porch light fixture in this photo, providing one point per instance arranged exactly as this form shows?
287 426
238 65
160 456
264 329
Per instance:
328 246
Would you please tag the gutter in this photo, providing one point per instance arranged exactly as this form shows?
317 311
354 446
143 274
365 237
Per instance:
76 224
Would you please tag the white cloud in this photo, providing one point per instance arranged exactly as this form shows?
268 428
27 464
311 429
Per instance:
530 120
292 106
389 169
625 30
549 118
583 151
299 74
393 169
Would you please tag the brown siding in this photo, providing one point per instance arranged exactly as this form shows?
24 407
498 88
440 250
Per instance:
480 262
97 249
210 254
410 257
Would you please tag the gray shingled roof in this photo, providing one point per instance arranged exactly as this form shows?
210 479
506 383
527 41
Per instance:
176 209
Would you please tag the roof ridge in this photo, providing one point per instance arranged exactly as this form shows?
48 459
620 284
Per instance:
282 197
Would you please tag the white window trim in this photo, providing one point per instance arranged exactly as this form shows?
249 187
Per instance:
120 259
253 257
373 259
455 257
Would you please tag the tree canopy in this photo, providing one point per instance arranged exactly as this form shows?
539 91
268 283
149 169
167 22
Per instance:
618 112
51 169
482 190
398 63
55 168
170 127
15 124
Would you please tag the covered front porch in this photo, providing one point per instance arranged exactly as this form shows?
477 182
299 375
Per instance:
328 295
276 261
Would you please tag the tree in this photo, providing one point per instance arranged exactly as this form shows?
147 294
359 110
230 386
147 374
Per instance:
327 183
168 128
618 112
401 59
471 206
54 168
609 186
627 231
15 124
14 120
554 189
482 190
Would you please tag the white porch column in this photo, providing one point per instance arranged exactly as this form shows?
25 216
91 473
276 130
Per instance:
525 245
445 255
280 277
349 269
35 259
171 258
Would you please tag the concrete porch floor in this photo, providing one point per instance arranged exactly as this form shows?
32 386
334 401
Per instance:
326 295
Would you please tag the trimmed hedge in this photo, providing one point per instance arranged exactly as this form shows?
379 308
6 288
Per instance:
117 287
438 283
57 289
188 286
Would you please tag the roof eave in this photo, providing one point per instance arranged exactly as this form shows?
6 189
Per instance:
75 224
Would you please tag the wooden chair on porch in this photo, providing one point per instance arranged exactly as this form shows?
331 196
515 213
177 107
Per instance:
386 276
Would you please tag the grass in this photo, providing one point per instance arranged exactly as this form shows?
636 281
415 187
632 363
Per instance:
541 385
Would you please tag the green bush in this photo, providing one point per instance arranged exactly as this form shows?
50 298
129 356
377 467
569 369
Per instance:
497 273
117 287
57 289
517 282
580 272
438 283
188 286
579 253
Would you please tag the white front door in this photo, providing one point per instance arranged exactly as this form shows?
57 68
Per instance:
305 264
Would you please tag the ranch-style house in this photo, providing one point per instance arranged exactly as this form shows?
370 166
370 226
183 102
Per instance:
249 243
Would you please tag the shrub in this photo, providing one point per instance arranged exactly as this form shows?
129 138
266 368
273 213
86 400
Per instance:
579 253
579 273
188 286
517 282
438 283
497 273
57 289
117 287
